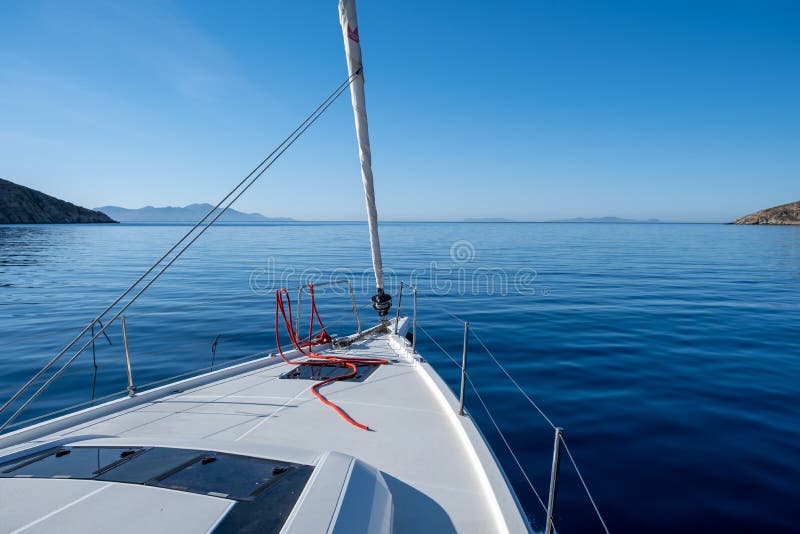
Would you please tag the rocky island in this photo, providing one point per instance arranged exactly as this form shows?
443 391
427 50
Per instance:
784 214
23 205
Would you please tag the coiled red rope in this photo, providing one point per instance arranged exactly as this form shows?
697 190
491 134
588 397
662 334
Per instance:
316 360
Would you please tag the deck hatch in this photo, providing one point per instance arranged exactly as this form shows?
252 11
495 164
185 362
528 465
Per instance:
157 462
69 462
224 475
321 372
267 512
231 476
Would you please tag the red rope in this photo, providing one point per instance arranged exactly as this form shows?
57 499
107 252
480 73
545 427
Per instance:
317 360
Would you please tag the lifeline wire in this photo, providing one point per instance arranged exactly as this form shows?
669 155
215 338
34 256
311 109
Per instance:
505 372
563 442
585 487
502 368
485 407
143 388
496 426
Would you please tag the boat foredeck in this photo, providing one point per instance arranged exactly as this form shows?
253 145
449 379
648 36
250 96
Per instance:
441 474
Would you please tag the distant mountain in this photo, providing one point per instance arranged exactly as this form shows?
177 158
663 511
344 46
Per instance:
23 205
607 220
783 214
187 214
487 219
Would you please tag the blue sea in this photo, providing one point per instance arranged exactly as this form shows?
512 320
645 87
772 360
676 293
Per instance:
669 353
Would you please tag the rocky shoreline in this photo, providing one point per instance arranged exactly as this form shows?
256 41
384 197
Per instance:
23 205
783 215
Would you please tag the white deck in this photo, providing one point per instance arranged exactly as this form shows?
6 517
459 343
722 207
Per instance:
441 474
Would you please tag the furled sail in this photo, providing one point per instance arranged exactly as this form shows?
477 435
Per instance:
352 47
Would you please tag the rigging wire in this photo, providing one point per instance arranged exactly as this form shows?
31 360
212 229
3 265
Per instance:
505 371
143 388
508 375
585 487
228 338
181 305
253 177
541 412
491 418
194 344
505 441
175 245
438 345
200 344
532 403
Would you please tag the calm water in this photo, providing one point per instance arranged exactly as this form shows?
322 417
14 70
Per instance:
669 353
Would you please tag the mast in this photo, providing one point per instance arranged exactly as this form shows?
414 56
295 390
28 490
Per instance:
381 301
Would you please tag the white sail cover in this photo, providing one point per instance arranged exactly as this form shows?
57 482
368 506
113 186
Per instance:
352 48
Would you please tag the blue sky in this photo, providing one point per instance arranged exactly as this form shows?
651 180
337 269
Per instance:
530 110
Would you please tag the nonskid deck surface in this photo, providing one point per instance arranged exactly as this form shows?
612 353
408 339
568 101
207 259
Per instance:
441 480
